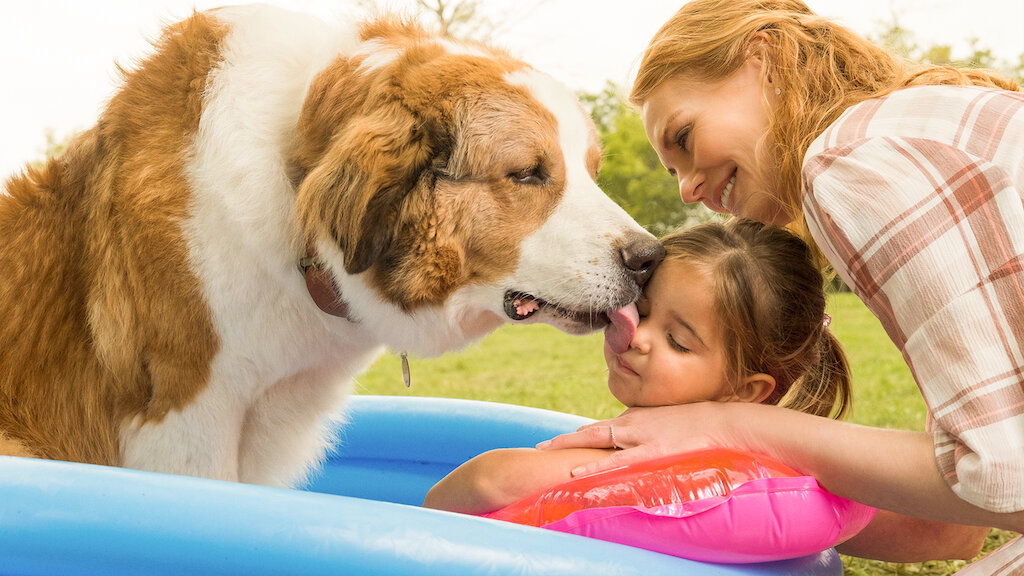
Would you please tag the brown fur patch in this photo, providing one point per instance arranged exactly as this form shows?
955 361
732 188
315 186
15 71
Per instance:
409 166
10 447
101 318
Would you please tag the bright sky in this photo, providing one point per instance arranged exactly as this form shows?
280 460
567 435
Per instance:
57 56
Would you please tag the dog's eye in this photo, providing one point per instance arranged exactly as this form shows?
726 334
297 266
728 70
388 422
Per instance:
529 176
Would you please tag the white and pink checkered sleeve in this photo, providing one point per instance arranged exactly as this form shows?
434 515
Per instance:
924 220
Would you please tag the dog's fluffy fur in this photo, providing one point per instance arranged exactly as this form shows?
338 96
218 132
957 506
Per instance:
152 312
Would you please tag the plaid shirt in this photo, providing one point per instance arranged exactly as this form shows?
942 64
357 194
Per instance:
917 199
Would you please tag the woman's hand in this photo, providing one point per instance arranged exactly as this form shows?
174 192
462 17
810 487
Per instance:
643 434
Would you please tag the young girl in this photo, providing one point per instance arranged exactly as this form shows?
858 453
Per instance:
907 179
735 313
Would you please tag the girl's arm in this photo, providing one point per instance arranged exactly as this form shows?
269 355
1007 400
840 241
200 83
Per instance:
498 478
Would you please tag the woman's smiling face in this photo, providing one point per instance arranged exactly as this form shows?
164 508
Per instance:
710 135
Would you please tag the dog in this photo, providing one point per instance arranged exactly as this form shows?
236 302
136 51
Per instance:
266 204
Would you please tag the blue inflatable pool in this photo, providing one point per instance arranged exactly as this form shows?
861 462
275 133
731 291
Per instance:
358 516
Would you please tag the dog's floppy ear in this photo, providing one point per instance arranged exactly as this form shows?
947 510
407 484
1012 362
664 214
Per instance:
356 190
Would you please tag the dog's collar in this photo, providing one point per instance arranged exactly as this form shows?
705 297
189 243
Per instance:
325 294
321 286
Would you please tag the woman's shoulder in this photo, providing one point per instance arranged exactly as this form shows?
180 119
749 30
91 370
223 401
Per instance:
886 157
936 113
929 103
918 94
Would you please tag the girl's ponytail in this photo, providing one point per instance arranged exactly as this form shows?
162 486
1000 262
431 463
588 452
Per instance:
825 388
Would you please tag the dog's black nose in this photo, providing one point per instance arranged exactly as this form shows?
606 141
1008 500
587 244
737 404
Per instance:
641 254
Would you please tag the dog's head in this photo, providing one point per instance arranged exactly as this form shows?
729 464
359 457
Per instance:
456 182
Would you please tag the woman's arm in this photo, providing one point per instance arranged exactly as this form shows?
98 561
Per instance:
889 469
498 478
892 537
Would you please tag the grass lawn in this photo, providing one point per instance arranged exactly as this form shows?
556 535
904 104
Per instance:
541 367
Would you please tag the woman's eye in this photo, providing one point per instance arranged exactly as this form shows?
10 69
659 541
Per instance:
683 138
529 176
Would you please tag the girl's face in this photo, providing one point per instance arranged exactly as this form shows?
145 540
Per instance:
708 136
676 355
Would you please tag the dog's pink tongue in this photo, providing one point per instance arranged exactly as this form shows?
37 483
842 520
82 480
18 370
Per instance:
620 332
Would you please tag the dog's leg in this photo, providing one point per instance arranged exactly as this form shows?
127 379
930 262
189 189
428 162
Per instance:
199 440
288 428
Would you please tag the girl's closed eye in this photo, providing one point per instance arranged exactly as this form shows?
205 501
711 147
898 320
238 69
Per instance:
676 345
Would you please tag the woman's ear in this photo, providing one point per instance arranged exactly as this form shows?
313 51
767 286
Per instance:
759 55
759 47
754 388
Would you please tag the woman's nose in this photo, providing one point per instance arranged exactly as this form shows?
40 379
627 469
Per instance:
690 187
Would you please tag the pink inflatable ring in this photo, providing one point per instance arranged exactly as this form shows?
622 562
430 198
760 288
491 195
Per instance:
712 505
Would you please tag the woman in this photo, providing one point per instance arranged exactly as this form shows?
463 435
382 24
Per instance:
909 181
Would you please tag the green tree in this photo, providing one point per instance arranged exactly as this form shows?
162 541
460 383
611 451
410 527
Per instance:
455 18
462 19
631 173
901 41
897 39
54 146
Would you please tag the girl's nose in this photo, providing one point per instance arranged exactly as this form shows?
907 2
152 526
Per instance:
641 341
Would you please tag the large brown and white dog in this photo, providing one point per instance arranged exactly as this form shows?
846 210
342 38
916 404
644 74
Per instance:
154 312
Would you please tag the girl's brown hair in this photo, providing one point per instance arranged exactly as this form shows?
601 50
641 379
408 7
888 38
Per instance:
769 297
819 68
